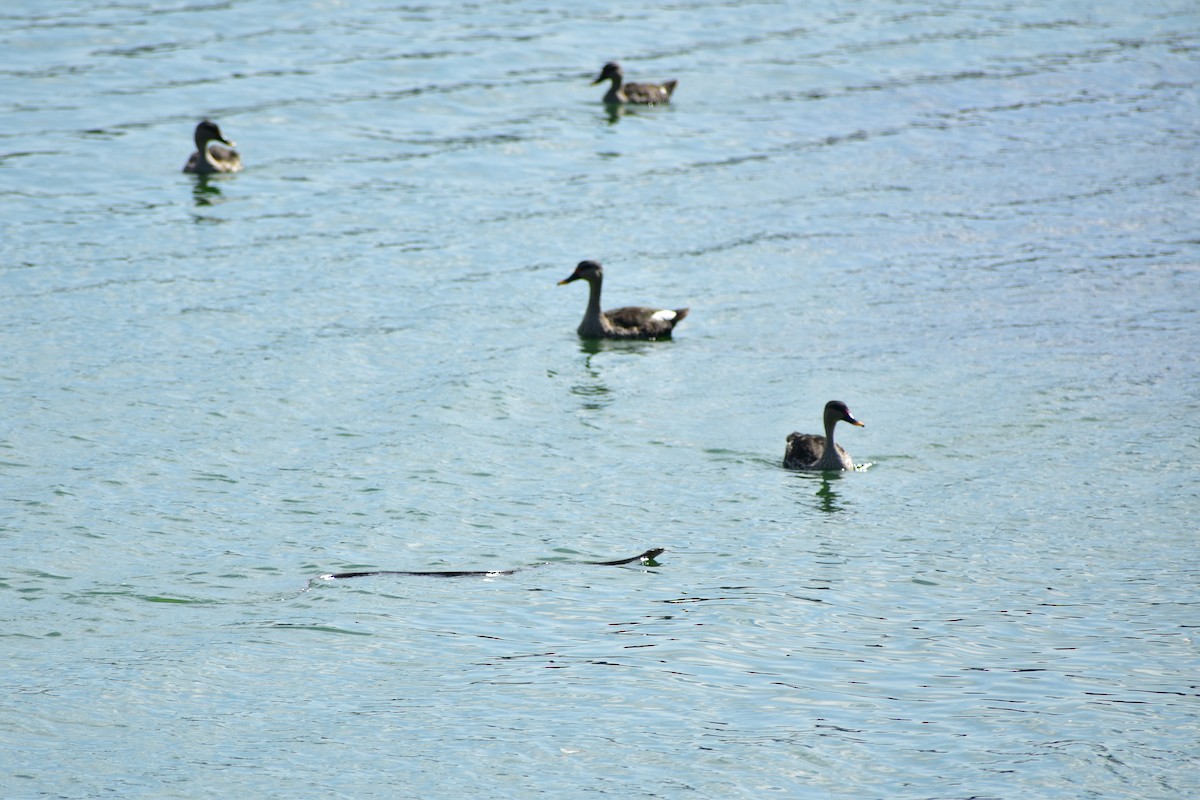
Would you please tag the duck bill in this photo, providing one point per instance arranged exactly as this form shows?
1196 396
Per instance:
568 280
856 423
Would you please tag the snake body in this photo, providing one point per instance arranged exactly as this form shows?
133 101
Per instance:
646 558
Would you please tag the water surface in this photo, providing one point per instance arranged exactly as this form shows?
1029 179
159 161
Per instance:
974 223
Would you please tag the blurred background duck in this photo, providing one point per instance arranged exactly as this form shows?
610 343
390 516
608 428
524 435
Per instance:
808 451
631 322
207 160
649 94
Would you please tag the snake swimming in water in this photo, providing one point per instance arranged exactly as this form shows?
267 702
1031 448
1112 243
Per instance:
645 559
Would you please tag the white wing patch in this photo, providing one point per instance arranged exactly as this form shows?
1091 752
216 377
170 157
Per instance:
665 315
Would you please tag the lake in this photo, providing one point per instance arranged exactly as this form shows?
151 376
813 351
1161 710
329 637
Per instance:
975 223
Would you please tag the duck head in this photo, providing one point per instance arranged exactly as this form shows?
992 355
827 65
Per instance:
208 131
611 71
586 270
836 411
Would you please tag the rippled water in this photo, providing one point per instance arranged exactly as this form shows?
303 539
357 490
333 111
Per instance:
974 222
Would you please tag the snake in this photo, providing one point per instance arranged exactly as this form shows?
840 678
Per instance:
644 559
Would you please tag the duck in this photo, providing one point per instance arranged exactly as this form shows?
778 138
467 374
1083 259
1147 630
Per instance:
808 451
631 322
647 94
207 160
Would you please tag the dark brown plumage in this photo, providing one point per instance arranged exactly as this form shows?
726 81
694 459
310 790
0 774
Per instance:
207 160
647 94
631 322
808 451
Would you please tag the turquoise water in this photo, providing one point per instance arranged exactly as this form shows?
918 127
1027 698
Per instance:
973 222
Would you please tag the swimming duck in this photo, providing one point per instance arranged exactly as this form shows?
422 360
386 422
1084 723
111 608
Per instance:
649 94
806 451
207 160
632 322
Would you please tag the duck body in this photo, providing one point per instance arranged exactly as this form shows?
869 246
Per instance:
212 159
646 94
630 322
812 452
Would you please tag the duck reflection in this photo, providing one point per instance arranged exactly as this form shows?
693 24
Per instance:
592 386
829 498
592 389
204 192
